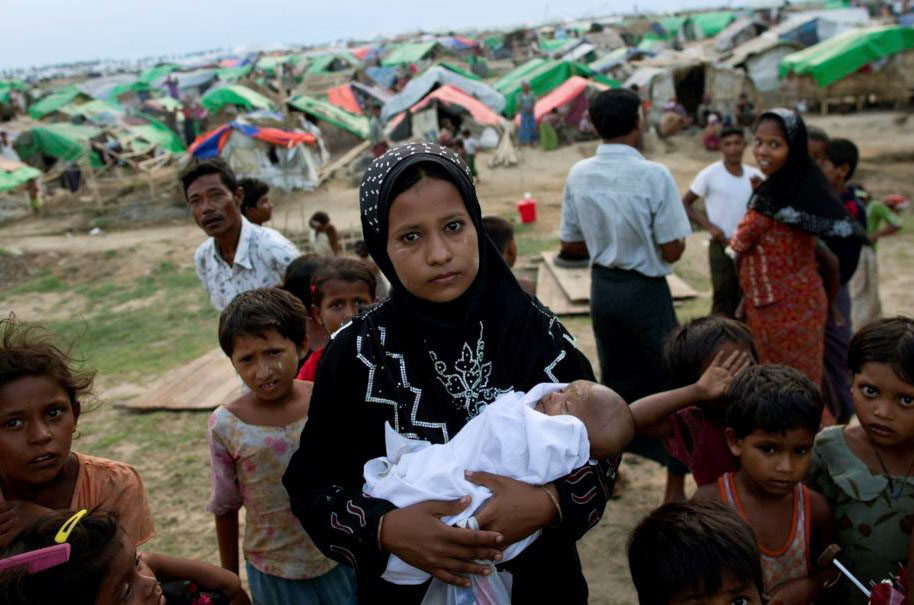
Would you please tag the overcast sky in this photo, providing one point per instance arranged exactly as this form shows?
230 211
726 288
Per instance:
38 32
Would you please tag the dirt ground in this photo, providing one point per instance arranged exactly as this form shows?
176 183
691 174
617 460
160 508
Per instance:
123 254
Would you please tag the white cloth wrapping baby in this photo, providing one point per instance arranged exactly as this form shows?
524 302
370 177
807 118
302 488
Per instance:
508 437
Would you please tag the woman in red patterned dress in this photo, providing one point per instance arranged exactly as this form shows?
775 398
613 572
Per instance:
784 298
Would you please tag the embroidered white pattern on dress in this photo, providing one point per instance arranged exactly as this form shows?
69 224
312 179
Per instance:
469 383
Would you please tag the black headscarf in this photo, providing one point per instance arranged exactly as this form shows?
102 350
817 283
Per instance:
798 194
492 339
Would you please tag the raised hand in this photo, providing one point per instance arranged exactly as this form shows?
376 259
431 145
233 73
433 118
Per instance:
715 381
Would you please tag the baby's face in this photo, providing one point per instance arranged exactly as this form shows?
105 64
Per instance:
597 407
570 401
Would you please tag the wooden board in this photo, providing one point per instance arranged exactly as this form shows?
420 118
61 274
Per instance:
550 294
202 384
575 283
327 170
679 288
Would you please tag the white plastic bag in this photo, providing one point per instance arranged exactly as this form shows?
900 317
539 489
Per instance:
494 589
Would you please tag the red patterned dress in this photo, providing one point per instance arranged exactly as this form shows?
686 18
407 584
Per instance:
785 300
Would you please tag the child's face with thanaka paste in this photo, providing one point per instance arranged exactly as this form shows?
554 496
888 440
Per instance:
267 363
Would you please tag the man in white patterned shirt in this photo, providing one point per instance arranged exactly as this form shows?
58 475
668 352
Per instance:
239 255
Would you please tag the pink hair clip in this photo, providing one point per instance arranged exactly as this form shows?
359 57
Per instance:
49 556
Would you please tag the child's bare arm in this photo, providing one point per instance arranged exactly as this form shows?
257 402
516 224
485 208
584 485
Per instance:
707 492
227 537
206 576
652 412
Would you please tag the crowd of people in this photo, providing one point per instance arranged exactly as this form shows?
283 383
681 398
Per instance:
414 421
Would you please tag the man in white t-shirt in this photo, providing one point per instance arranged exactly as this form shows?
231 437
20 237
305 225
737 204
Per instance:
726 186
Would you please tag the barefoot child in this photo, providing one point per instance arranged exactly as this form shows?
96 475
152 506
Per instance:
703 356
772 418
251 441
40 403
695 553
339 290
865 470
104 567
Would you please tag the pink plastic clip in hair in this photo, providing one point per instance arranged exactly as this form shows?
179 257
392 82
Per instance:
49 556
38 560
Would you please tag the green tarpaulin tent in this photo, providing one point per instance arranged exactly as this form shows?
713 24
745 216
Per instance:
162 136
551 45
408 52
544 76
54 101
14 174
711 24
842 55
95 110
232 74
457 69
68 142
672 25
322 110
235 94
153 74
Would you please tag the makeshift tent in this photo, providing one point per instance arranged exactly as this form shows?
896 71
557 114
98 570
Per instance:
708 25
233 74
420 86
452 96
323 64
833 59
571 95
558 47
55 101
68 142
321 110
237 95
153 74
458 70
282 159
458 43
382 76
98 112
190 83
103 86
543 75
13 174
409 52
355 97
157 133
738 32
671 27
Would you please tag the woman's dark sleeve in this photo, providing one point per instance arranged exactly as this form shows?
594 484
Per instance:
583 494
324 478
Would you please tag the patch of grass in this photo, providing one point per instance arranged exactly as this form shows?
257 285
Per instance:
132 343
44 282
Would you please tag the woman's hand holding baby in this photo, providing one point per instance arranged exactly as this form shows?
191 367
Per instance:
417 535
715 381
516 509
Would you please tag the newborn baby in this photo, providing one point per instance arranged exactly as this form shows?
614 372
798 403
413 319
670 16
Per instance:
535 437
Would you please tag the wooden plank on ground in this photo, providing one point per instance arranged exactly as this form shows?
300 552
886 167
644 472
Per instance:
574 282
327 170
679 288
551 294
202 384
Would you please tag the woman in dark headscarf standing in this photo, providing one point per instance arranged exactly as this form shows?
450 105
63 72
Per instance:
784 298
456 332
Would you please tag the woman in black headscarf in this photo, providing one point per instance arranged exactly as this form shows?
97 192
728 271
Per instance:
456 332
785 301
